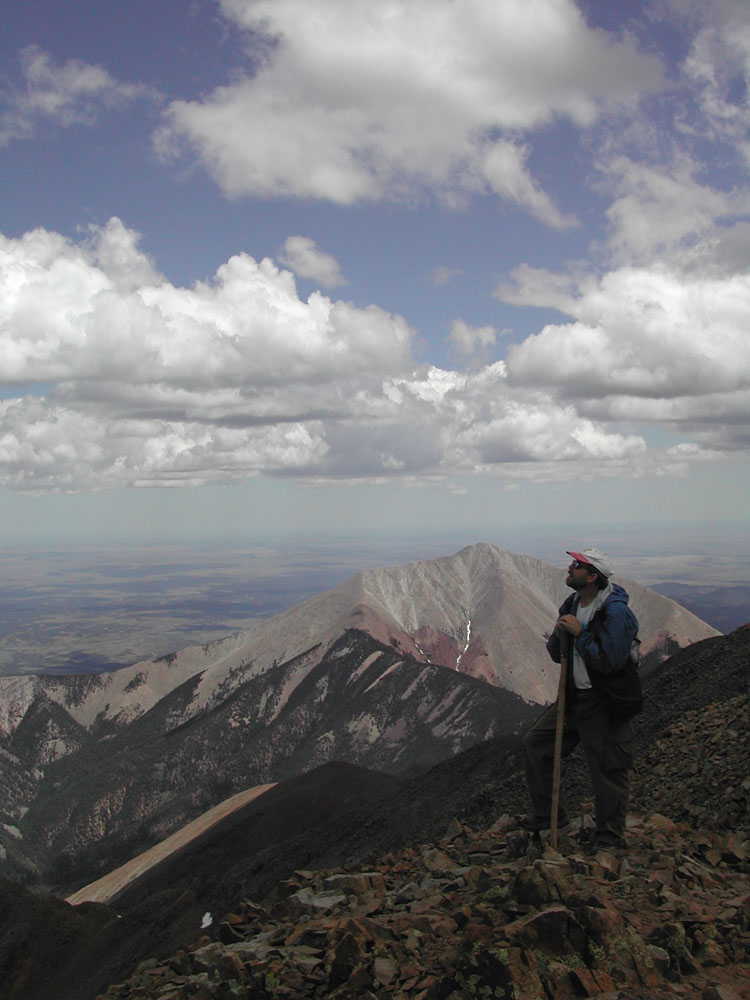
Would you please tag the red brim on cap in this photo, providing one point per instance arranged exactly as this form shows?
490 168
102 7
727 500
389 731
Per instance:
580 558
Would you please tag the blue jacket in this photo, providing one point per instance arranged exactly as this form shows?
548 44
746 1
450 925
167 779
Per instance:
606 644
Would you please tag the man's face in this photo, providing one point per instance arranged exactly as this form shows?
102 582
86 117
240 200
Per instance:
580 575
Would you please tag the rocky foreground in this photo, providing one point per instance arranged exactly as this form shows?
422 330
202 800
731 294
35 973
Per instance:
495 912
489 913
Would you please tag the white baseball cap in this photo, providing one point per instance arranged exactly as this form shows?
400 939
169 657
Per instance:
595 558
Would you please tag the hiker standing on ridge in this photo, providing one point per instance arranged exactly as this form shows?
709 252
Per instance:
597 633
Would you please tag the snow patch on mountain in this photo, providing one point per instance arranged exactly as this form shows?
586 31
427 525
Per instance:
466 644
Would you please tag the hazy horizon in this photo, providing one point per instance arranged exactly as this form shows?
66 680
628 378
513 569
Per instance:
76 608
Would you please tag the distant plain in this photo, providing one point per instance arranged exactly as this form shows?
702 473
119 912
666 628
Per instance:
78 610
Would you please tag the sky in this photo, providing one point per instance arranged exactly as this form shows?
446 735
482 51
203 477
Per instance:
394 265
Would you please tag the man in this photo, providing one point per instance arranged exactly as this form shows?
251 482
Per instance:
598 632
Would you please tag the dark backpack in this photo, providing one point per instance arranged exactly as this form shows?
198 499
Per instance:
620 690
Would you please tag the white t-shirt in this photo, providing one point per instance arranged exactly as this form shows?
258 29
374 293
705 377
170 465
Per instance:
580 673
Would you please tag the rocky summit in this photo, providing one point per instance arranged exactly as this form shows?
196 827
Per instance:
488 913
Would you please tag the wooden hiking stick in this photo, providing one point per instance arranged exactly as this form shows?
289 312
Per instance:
557 760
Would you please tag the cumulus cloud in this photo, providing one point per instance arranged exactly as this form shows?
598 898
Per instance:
153 384
71 93
46 447
98 310
651 346
486 424
303 256
659 210
362 101
537 286
471 341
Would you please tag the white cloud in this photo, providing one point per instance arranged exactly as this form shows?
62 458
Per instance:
362 101
302 255
45 447
726 250
76 311
155 384
504 167
651 346
472 341
443 275
718 65
536 286
72 93
484 423
658 210
539 431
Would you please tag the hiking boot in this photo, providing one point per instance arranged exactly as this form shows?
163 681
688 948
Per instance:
536 824
607 842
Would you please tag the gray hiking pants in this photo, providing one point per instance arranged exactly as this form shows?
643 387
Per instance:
608 750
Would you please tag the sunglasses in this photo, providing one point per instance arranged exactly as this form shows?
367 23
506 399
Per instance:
577 564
